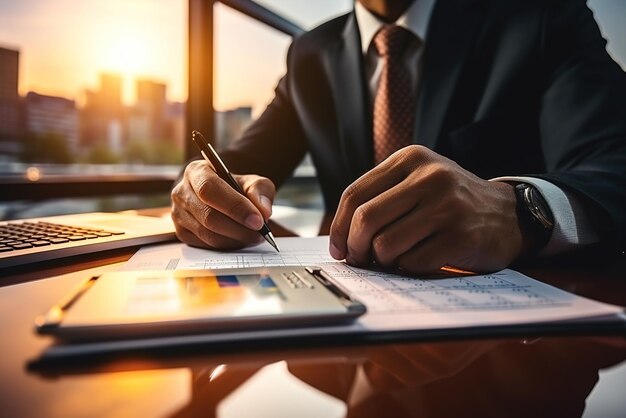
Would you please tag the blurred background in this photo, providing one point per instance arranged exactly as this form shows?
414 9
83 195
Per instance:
95 96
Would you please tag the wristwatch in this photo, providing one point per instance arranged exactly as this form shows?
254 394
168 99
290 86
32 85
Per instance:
534 215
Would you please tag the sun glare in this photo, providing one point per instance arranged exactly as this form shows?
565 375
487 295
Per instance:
126 54
131 53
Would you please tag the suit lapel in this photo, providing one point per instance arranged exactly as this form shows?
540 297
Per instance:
346 75
449 39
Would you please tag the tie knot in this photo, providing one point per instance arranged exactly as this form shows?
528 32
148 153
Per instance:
391 40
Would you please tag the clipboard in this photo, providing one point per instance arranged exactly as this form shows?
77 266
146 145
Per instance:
141 304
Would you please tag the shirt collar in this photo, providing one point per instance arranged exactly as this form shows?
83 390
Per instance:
414 19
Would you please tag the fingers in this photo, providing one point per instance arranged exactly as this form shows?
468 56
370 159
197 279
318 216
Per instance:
400 236
208 212
218 194
400 213
214 230
372 216
371 184
201 237
261 192
213 220
420 211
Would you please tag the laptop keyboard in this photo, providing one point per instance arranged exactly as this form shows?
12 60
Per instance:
23 235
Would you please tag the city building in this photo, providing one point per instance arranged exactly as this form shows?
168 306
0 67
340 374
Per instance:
176 124
230 124
50 115
102 125
10 119
102 117
147 119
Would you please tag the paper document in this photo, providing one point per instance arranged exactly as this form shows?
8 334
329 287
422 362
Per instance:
397 302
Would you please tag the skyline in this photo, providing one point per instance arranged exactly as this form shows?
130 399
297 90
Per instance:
43 128
67 71
138 40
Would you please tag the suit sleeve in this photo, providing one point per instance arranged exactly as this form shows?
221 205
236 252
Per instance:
274 144
583 118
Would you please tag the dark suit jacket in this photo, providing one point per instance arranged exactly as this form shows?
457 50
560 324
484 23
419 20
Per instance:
515 87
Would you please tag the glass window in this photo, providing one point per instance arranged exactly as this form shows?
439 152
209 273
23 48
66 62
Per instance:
90 88
100 84
610 15
307 13
249 60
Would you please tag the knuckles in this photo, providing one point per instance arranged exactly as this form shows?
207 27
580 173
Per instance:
260 183
203 186
179 193
442 176
349 194
208 215
175 211
381 245
176 193
201 177
414 152
362 217
412 157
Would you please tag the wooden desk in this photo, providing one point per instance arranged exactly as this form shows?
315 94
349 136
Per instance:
549 376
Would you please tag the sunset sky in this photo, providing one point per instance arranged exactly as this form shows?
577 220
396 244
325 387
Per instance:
65 44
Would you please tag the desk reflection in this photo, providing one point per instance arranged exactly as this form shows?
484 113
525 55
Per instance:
547 377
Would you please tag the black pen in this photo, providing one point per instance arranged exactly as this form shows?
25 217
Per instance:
211 156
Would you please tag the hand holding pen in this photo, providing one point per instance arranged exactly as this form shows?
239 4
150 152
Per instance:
219 210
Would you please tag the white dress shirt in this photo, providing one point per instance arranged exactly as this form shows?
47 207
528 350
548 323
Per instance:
571 224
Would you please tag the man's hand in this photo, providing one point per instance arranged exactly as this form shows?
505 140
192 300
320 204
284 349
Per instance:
207 212
419 211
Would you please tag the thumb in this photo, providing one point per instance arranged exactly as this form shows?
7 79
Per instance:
260 190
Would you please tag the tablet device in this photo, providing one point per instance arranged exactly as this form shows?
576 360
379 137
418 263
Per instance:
134 304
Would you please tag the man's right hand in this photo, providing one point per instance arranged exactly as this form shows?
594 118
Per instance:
208 213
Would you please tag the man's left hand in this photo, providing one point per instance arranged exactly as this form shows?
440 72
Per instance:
419 211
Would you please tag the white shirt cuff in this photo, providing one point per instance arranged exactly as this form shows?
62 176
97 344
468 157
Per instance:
572 228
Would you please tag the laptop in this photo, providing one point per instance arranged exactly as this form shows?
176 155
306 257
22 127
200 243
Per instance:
33 240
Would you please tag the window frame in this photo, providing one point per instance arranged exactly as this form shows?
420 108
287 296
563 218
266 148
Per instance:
200 114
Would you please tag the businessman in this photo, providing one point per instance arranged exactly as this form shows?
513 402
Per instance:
469 133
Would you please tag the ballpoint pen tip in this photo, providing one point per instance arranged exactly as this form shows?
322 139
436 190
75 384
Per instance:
270 238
